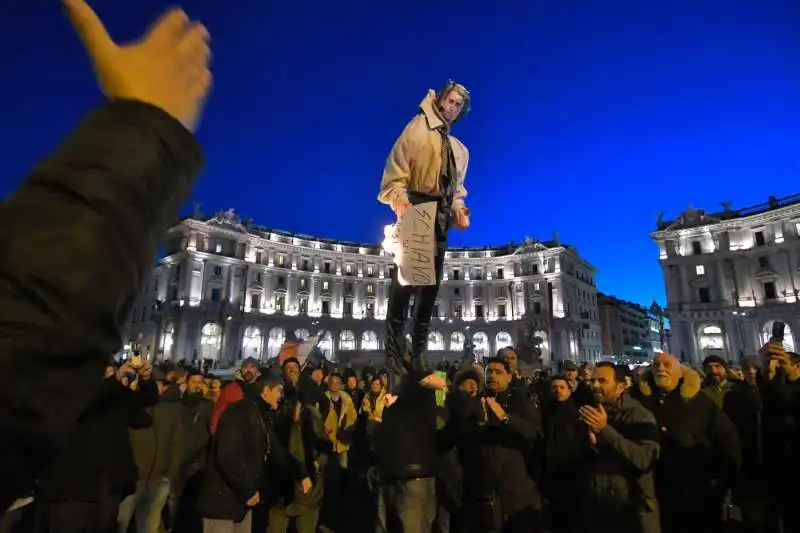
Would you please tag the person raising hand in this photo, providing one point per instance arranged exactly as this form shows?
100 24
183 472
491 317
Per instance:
167 68
82 231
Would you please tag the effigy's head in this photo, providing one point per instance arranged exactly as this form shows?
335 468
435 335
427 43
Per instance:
453 101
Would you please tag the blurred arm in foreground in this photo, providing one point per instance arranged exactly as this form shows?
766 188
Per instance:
80 234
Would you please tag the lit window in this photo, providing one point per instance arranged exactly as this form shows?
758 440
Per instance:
324 285
370 289
700 269
219 248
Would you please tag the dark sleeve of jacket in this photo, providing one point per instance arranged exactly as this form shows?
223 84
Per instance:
637 443
724 438
176 440
464 414
233 432
196 437
78 237
146 395
519 388
284 461
314 427
132 403
137 402
524 421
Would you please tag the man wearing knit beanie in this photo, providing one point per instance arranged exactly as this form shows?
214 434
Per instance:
716 384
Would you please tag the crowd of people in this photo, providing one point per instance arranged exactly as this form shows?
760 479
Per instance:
470 448
463 448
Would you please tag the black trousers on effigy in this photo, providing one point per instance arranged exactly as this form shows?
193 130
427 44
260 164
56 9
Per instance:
424 296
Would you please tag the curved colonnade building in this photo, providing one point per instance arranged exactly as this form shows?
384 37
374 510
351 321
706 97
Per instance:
227 289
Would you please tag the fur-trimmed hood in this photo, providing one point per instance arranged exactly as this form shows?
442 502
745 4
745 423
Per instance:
690 383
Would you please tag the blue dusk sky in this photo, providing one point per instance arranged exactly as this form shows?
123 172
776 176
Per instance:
589 117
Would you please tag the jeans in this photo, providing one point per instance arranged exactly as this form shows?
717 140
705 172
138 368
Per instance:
211 525
442 522
305 523
79 517
146 503
407 506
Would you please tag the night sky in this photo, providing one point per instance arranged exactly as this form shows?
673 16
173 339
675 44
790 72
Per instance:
589 117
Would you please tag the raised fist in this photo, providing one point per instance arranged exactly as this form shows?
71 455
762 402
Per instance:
167 68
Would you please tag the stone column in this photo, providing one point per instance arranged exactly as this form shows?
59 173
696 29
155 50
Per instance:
722 282
683 282
732 340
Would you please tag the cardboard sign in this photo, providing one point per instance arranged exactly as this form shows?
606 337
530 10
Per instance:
413 243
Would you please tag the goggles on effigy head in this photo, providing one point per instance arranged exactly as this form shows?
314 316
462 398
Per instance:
451 85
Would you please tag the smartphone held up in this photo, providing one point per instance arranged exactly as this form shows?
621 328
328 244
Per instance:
778 331
136 359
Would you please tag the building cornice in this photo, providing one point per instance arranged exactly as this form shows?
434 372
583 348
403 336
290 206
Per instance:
228 225
790 212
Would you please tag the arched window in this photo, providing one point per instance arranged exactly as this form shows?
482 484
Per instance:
326 345
369 341
481 342
167 341
712 338
788 339
251 343
503 340
435 341
210 341
457 341
301 334
277 336
347 340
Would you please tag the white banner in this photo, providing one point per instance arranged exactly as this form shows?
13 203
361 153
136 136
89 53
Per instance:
413 243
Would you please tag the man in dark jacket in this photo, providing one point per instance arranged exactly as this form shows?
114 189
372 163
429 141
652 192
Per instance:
619 491
196 410
565 448
236 390
700 452
780 433
99 205
158 452
450 475
300 430
95 470
244 445
743 404
496 435
407 494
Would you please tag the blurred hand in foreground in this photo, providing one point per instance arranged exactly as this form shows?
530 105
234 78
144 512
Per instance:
167 68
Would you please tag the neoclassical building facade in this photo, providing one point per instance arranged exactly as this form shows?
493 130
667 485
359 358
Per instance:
227 289
729 275
627 329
